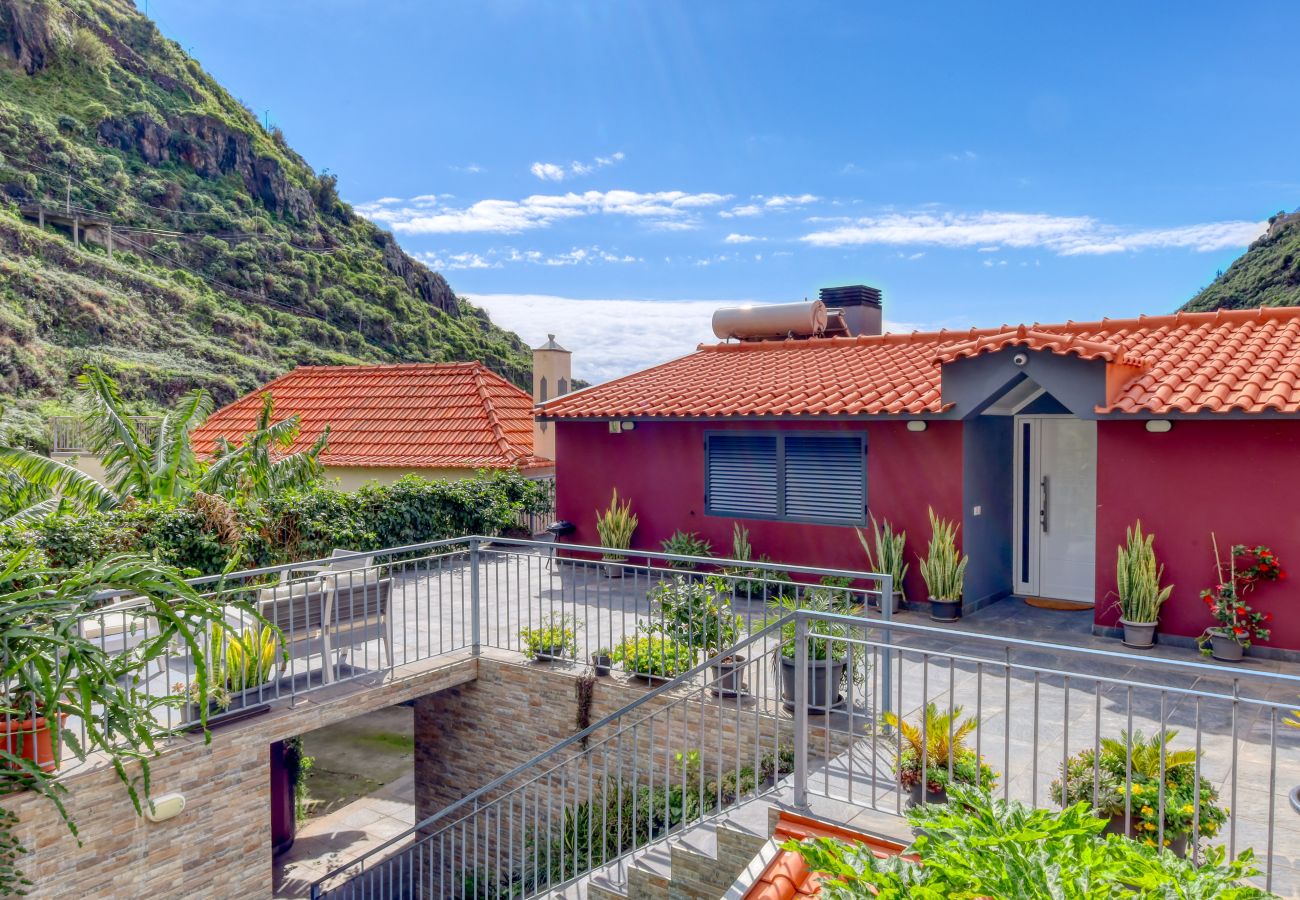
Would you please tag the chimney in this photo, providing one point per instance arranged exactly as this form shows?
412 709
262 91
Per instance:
552 377
860 305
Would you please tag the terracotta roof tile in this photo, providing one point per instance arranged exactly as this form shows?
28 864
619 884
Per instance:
1225 361
424 415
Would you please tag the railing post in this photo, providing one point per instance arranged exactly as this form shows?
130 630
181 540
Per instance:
887 615
800 710
475 617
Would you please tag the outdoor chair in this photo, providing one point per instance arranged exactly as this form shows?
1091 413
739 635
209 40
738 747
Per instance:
342 604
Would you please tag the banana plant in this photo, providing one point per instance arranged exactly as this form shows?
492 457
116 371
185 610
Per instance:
260 465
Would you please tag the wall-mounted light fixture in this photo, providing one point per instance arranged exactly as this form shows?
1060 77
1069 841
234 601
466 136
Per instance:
1159 426
628 425
916 425
160 809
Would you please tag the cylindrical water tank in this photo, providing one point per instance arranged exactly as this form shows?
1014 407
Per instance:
754 323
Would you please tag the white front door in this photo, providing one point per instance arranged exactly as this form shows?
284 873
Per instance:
1056 507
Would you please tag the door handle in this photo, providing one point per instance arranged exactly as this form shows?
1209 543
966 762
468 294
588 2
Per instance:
1042 510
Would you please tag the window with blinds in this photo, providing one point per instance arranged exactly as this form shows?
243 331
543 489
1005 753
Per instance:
799 477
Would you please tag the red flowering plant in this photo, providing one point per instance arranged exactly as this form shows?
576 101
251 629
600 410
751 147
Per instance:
1246 568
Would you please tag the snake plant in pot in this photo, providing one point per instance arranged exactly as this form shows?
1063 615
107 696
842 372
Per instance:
833 656
615 527
244 663
1137 580
885 556
944 569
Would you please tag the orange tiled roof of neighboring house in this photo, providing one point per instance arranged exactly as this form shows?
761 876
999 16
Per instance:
787 876
1218 362
424 415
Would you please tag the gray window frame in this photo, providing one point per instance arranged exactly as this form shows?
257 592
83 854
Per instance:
780 435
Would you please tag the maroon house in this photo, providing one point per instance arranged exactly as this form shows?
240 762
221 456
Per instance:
1043 441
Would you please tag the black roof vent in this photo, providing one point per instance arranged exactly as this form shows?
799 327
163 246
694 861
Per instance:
850 295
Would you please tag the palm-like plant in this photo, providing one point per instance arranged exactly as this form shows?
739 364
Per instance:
163 467
1146 753
258 466
940 738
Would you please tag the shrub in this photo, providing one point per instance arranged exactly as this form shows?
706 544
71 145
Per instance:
940 743
695 613
554 636
980 847
657 656
686 543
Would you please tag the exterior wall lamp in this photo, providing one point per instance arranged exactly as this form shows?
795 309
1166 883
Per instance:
916 425
1159 426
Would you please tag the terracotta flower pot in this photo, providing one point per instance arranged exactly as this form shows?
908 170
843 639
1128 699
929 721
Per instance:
31 739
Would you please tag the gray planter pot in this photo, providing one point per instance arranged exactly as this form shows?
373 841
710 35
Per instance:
601 663
1226 649
896 602
613 569
726 676
939 796
824 680
549 654
1139 634
945 610
243 705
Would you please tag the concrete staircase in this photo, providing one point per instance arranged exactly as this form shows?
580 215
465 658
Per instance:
698 865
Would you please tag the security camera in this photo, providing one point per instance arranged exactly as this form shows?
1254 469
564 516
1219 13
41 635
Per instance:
1020 359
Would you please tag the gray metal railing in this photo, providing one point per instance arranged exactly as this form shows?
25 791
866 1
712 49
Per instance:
68 433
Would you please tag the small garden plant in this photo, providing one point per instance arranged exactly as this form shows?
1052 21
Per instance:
686 543
697 614
554 637
885 551
616 525
936 744
1138 576
1245 568
944 566
1139 761
654 656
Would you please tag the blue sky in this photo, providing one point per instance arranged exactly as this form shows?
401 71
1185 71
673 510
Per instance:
981 163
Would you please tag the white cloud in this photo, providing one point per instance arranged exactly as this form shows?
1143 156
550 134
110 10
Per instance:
782 200
759 204
734 238
1065 235
610 338
450 262
470 169
498 256
963 156
557 172
428 214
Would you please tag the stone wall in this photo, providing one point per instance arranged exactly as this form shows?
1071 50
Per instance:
468 736
220 846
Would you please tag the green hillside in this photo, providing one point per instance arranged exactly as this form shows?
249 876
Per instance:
234 259
1267 274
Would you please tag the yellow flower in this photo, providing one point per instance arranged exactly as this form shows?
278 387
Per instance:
1137 788
1166 842
1146 810
1149 842
1189 809
1149 826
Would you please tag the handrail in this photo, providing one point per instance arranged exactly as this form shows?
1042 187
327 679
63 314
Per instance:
621 713
949 635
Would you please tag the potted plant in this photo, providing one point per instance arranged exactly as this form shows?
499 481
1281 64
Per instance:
829 654
1187 804
243 664
944 569
50 672
555 637
699 615
885 556
934 750
686 543
601 661
1239 624
1137 579
615 527
654 657
1084 780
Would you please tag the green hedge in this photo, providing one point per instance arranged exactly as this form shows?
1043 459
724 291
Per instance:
205 533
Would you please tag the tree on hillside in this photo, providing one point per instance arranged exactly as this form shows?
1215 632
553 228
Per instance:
163 467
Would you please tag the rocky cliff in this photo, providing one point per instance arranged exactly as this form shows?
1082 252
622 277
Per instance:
1267 274
257 261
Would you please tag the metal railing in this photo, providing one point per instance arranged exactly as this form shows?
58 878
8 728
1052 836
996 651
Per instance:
537 521
68 434
1036 706
1037 712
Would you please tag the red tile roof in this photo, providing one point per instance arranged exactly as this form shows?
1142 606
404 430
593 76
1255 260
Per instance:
1219 362
426 415
787 876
